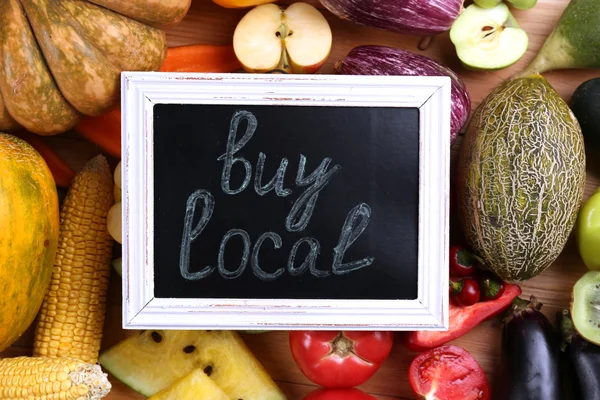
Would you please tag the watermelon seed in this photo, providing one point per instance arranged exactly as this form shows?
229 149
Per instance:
189 349
208 370
156 337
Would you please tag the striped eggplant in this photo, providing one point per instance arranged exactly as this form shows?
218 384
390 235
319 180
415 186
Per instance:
383 60
412 17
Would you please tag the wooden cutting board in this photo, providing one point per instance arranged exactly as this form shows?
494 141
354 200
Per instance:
209 23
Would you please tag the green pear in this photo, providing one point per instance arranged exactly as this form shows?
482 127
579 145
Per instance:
573 43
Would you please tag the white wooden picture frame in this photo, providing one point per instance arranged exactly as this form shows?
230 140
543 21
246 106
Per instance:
142 310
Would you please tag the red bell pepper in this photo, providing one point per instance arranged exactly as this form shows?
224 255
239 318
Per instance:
461 321
338 394
334 359
448 373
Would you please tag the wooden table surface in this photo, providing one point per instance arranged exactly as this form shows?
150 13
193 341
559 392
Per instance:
209 23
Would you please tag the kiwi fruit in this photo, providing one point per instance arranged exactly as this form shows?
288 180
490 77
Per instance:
585 306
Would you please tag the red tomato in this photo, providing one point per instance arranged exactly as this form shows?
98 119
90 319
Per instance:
462 261
448 373
466 292
338 394
491 288
335 359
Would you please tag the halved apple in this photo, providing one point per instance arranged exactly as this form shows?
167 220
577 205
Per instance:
488 38
523 4
241 3
482 3
296 39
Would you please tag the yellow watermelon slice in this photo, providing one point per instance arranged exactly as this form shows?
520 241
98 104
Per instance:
154 360
196 385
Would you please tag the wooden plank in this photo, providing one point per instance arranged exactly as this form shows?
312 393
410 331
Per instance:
209 23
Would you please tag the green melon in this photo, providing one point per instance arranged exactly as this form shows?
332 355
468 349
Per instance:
520 178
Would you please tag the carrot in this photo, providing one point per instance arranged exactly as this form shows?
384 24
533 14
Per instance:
105 130
201 58
62 173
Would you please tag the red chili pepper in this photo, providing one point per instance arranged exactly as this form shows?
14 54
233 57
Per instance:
462 261
491 288
448 373
461 321
335 359
338 394
465 292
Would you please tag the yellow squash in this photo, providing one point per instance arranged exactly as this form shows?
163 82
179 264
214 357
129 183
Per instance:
72 315
28 235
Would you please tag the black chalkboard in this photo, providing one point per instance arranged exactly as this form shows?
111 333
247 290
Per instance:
360 168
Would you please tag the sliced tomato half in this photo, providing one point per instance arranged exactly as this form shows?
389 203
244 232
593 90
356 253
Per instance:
448 373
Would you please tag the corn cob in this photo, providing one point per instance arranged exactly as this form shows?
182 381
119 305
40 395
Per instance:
56 378
71 318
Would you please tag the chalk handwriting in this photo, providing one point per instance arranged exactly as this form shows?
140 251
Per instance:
306 202
297 220
189 234
309 262
304 206
243 263
258 271
233 147
355 224
275 183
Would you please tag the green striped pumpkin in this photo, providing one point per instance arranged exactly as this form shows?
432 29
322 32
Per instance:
520 178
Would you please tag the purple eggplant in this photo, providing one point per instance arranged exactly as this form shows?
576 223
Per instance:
582 359
530 355
412 17
383 60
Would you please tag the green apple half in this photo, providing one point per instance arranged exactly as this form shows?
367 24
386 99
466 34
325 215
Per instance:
523 4
488 38
487 3
296 39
